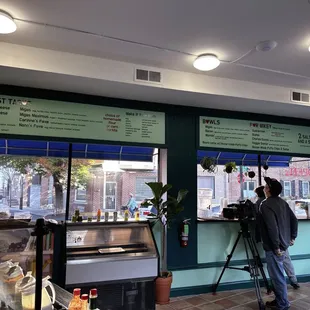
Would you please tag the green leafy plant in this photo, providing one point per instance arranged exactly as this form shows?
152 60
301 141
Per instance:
208 164
230 167
166 212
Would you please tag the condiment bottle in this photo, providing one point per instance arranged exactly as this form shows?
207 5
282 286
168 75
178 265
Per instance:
93 299
137 216
98 215
126 215
106 216
75 303
84 299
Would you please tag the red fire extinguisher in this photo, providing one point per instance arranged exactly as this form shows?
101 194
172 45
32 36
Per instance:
184 233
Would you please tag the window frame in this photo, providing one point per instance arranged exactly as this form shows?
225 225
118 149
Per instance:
302 188
290 188
151 179
76 195
105 195
213 183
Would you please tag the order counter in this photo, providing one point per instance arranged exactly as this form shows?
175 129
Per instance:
120 259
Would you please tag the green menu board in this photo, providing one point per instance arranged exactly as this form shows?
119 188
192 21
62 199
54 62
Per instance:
254 136
37 117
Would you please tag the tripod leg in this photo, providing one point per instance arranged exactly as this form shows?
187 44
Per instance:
229 256
253 267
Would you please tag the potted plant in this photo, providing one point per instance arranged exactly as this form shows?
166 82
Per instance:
251 174
230 167
208 164
166 211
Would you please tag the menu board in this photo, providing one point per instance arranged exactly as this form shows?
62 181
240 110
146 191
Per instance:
254 136
37 117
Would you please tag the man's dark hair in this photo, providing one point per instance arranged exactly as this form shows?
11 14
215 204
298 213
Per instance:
260 191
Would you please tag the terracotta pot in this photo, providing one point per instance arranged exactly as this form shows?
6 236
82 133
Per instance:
163 287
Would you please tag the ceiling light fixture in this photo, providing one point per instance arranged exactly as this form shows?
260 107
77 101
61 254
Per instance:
206 62
7 24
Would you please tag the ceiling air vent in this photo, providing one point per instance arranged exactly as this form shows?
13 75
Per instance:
142 75
300 97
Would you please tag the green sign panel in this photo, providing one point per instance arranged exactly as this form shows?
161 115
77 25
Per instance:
254 136
37 117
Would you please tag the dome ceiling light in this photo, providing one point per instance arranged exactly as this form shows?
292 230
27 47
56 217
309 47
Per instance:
206 62
7 24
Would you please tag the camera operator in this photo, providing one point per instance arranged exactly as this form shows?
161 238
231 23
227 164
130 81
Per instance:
287 263
278 229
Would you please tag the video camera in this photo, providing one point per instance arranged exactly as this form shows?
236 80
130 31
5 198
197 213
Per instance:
243 210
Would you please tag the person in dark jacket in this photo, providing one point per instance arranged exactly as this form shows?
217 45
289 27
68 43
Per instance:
279 228
287 263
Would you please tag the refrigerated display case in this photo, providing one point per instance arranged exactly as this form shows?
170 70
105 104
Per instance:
120 259
18 259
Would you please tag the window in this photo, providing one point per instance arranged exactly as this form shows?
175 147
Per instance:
207 182
305 189
142 190
248 189
110 196
108 184
80 194
287 189
33 185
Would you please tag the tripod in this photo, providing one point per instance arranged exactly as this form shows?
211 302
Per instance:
254 265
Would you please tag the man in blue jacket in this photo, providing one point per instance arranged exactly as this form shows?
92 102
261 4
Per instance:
279 229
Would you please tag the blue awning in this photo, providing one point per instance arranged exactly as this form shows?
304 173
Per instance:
244 159
79 150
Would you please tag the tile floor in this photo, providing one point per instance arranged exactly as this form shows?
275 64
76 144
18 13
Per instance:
238 300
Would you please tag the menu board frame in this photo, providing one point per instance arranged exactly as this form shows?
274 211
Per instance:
260 127
104 123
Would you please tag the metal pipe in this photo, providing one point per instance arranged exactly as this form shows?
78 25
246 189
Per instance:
39 233
69 181
259 159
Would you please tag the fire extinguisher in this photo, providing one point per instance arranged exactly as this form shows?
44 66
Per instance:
184 233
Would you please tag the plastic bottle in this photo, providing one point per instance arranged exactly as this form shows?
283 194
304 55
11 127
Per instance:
76 303
93 299
84 299
98 215
126 215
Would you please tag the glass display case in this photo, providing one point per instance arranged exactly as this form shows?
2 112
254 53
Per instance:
99 252
18 259
120 259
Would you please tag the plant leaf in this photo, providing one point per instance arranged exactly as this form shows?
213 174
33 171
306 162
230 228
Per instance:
156 188
181 195
165 189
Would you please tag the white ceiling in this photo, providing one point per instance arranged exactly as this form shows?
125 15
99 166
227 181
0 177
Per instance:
170 33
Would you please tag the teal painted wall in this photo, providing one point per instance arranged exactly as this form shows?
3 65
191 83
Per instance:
215 241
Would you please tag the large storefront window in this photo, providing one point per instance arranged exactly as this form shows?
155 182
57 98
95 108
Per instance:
32 187
111 185
217 189
34 178
295 180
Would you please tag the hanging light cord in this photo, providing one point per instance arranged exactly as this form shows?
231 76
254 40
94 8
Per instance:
103 36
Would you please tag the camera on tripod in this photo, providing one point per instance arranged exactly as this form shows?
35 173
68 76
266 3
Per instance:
243 210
